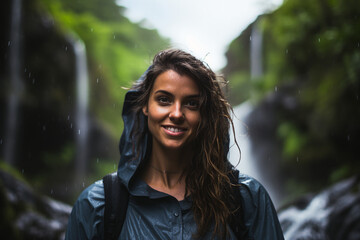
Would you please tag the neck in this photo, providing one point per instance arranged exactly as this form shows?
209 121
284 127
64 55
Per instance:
166 167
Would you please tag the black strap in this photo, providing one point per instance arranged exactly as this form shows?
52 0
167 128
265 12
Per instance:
237 223
116 202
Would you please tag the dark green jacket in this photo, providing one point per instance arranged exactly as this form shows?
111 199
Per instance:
156 215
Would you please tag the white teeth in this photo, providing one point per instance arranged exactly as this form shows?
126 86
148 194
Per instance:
172 129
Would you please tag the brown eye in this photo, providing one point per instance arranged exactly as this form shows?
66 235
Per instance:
163 100
194 104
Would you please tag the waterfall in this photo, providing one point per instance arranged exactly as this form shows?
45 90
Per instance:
251 160
256 69
247 164
16 86
81 117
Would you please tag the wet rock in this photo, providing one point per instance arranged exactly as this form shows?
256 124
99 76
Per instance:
29 215
333 214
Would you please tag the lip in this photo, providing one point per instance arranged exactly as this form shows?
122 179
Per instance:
174 130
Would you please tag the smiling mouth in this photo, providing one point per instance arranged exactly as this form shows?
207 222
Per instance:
174 129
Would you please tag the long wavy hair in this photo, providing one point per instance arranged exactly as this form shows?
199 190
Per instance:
207 178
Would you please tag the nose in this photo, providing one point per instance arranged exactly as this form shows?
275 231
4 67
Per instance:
176 113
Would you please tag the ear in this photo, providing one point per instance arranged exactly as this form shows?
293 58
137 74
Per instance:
145 110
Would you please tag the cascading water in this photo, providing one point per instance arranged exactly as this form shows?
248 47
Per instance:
16 86
249 159
256 69
247 164
331 214
81 116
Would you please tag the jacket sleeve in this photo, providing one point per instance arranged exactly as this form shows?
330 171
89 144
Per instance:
260 215
86 218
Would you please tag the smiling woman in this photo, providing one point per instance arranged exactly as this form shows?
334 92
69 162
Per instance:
172 111
174 164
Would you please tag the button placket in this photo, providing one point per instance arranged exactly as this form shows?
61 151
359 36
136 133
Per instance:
177 223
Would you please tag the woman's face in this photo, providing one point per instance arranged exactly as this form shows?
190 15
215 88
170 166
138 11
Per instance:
173 110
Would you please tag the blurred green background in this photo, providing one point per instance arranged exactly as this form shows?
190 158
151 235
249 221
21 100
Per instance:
310 60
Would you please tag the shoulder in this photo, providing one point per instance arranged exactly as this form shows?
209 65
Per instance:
259 212
93 195
252 190
253 194
86 218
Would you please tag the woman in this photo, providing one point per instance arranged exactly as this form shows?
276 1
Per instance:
174 162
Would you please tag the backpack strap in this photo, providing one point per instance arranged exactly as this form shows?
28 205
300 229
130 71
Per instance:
237 223
116 203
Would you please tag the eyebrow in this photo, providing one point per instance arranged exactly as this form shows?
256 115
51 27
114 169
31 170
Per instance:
168 93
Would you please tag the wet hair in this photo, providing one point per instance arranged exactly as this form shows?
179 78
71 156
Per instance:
206 176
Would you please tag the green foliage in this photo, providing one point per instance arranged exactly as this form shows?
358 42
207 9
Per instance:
240 87
293 140
105 10
11 170
118 51
313 47
59 160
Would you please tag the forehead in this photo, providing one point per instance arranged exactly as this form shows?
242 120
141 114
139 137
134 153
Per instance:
173 82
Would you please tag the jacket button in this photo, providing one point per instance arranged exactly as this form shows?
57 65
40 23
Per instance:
176 214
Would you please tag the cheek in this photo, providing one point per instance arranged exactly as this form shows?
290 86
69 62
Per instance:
195 119
155 113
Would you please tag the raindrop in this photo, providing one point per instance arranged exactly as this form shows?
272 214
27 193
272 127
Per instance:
287 51
79 131
348 137
91 29
97 80
83 184
68 118
44 128
114 105
276 88
9 43
25 69
114 36
33 81
29 74
52 192
250 38
71 125
22 171
297 159
66 48
319 39
114 166
97 160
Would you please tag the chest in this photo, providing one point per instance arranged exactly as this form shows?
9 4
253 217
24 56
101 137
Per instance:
158 219
164 218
